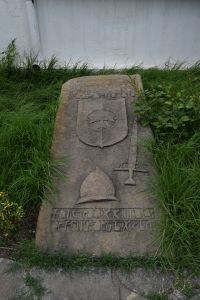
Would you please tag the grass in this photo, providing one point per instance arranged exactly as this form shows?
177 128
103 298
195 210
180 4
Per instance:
28 255
34 284
28 103
34 289
157 297
177 188
24 152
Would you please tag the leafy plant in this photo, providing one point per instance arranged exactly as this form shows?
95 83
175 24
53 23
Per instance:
9 56
169 112
10 215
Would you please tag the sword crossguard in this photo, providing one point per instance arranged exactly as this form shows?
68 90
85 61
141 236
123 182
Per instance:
130 180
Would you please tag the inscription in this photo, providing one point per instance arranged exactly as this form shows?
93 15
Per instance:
103 219
110 95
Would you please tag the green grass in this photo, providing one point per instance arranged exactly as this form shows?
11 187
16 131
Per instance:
34 289
35 285
28 255
177 188
24 152
157 297
28 104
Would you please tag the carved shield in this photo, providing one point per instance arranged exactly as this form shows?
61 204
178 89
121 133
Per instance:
101 122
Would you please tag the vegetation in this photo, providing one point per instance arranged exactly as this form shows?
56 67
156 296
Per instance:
177 187
171 113
28 255
157 297
10 215
29 93
34 289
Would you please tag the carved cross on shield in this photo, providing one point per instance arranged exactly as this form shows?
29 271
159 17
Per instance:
102 122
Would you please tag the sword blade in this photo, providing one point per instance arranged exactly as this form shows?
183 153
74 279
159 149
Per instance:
132 158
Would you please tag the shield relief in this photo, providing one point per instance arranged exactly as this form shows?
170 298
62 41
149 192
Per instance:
101 122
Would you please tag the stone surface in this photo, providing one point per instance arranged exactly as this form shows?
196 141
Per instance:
92 284
196 297
134 296
10 283
146 281
177 295
104 203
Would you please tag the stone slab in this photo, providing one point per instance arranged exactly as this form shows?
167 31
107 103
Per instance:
10 283
104 203
89 284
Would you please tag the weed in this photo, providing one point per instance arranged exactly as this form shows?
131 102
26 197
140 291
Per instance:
29 255
156 296
34 289
35 285
9 56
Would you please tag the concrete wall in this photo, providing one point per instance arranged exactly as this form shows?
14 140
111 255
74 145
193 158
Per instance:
18 20
13 23
106 32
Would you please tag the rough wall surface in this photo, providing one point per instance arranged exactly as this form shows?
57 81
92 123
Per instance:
13 24
112 33
18 21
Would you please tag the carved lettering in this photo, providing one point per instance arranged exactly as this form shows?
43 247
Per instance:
103 219
110 95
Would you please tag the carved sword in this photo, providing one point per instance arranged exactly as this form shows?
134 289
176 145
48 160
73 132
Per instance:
132 158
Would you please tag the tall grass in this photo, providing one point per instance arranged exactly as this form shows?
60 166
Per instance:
177 188
25 137
28 103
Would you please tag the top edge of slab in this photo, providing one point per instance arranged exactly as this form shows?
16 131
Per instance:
105 78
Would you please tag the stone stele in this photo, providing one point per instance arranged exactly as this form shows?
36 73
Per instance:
102 202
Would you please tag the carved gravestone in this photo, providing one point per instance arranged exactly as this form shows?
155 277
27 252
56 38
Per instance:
104 203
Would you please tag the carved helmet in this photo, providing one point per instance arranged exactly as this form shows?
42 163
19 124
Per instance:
97 186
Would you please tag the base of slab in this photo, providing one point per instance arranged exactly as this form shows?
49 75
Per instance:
89 284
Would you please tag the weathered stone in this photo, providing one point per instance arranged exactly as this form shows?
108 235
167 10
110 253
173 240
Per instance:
97 187
146 281
90 284
134 296
177 295
196 297
10 283
104 203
